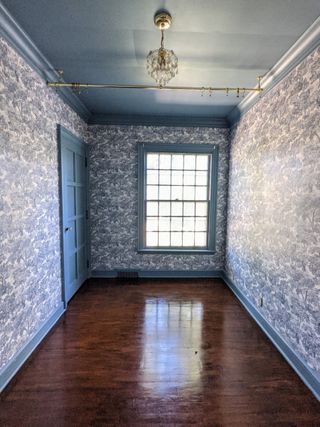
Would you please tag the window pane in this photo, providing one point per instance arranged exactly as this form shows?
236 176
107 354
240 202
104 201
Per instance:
189 178
189 161
176 189
152 177
152 224
164 193
188 239
152 161
202 178
152 192
176 239
177 161
164 208
188 193
151 239
176 224
176 209
164 239
201 224
165 177
201 193
202 162
188 209
200 239
165 161
177 177
201 209
188 224
176 193
152 208
164 224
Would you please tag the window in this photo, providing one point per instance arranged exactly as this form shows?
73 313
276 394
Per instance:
177 197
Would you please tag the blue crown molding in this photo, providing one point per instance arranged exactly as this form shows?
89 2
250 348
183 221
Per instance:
11 31
310 377
309 40
157 120
21 42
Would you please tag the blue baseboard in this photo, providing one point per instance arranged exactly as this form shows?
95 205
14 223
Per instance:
309 377
9 370
162 274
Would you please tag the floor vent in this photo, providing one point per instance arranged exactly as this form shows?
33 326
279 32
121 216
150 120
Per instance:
127 274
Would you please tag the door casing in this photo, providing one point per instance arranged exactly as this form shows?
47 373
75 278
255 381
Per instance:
64 138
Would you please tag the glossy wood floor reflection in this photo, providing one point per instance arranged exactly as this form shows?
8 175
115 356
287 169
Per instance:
168 353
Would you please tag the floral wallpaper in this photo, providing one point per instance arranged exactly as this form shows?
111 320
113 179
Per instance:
114 197
30 276
273 237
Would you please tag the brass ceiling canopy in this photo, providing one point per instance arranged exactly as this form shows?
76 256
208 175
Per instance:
162 20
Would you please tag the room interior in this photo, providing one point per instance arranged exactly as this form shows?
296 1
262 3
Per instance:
160 168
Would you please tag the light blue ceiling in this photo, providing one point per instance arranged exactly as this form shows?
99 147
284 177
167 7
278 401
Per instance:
218 43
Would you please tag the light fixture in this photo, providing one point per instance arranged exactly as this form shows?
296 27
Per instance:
162 64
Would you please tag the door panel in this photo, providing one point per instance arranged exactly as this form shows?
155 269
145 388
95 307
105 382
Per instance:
74 212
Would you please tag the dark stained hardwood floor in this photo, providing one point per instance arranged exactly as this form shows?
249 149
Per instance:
157 352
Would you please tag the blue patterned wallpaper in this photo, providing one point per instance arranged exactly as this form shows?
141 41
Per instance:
273 238
114 197
30 276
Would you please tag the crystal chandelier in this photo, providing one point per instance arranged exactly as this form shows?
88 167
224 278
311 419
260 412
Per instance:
162 64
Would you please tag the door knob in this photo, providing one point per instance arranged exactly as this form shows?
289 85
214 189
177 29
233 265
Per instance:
68 229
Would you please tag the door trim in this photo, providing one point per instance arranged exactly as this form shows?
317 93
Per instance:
63 133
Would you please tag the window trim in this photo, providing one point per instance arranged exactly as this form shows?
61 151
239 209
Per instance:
149 147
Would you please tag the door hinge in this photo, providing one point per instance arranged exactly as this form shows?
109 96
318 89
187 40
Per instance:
88 264
87 214
86 162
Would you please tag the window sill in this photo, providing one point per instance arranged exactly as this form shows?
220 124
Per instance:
177 251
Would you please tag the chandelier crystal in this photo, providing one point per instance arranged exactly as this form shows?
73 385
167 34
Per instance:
162 64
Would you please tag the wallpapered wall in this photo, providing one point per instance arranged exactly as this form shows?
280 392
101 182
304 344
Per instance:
273 239
30 277
114 197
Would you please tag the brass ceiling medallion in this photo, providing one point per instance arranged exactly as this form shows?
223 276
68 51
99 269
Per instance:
162 66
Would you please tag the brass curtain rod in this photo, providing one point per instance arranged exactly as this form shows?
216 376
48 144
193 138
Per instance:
77 86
